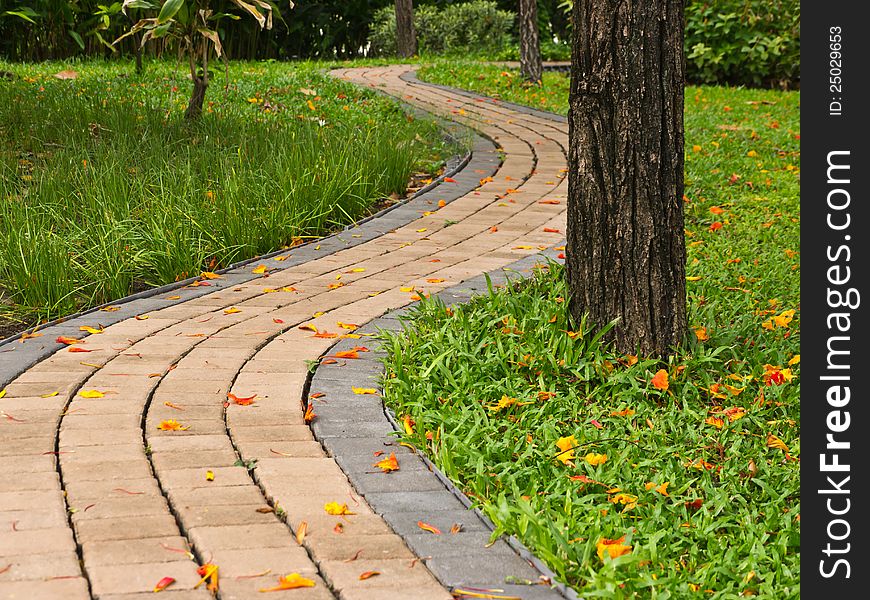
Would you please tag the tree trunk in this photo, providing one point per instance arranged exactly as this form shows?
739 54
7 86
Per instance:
406 37
626 254
138 59
531 67
197 99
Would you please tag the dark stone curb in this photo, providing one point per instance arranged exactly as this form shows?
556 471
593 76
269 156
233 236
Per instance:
483 160
353 427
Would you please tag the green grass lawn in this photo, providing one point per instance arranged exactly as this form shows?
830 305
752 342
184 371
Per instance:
570 447
500 82
104 189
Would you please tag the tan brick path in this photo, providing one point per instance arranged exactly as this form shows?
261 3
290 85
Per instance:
97 502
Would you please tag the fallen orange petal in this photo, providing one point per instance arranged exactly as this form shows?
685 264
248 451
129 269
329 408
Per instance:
429 528
368 574
163 584
242 401
391 463
61 339
208 572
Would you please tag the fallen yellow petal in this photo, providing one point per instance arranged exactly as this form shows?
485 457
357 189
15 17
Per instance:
334 508
291 581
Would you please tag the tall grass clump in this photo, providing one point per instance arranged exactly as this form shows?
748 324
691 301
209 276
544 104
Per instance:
105 189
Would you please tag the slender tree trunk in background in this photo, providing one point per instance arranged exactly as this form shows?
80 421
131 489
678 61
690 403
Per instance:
406 37
531 67
197 98
138 58
200 83
626 255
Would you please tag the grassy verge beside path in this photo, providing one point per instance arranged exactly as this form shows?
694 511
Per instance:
104 189
631 477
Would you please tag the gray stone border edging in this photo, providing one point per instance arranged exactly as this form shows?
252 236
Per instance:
352 427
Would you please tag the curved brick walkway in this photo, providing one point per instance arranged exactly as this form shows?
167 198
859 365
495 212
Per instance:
97 502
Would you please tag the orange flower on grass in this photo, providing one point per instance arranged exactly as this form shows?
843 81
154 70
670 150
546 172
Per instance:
660 380
613 548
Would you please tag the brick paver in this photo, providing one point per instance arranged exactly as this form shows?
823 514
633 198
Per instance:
90 474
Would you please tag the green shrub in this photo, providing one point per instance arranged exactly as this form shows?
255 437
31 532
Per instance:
473 27
743 42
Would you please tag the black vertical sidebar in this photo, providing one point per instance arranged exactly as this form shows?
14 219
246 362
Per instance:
835 300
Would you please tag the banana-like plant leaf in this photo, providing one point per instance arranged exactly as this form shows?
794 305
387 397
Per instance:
103 41
221 15
161 30
215 39
168 10
25 13
265 23
137 4
78 39
139 26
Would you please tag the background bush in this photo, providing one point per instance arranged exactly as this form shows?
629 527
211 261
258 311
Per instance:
475 27
743 42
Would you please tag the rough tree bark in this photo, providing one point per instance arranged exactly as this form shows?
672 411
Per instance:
406 37
626 256
531 67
